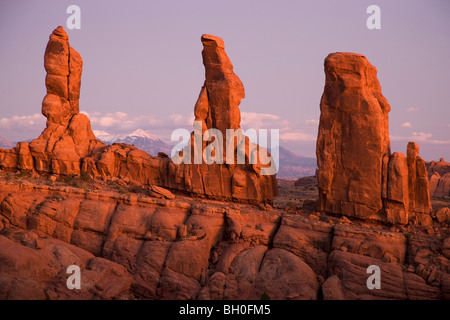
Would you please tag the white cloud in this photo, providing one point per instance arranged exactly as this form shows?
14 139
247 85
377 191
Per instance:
107 121
297 136
182 120
261 121
312 122
412 109
17 122
406 125
26 127
420 137
18 128
120 121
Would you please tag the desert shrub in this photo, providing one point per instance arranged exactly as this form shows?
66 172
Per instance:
69 179
265 296
84 176
291 205
122 189
76 182
134 188
23 173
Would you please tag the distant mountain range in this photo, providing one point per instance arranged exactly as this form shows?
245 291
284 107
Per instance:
139 138
6 144
292 166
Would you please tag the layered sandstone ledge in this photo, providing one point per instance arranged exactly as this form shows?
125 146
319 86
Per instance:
138 247
67 146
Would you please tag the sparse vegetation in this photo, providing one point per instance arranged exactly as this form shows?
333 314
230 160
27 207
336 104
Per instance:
291 206
135 188
122 189
84 176
23 173
76 181
265 296
288 194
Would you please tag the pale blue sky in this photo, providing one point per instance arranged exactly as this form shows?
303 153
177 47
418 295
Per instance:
143 67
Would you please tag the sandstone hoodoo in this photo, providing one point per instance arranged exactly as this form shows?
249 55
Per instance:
67 138
222 92
67 146
217 108
358 176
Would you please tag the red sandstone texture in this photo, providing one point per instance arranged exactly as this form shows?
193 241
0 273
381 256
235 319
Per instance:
67 146
439 175
358 176
132 246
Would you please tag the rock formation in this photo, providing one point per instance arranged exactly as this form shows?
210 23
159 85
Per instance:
217 108
358 176
439 175
67 138
222 92
441 167
67 146
440 186
131 246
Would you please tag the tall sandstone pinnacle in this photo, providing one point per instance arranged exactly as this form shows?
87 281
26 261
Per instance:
68 137
64 66
222 92
358 176
217 107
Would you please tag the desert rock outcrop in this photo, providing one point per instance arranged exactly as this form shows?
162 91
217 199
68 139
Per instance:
358 176
131 246
439 175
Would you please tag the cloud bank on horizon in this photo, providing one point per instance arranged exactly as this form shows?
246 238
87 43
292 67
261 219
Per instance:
120 123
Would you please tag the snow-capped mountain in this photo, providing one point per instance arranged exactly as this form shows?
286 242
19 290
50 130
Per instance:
292 166
5 143
139 138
